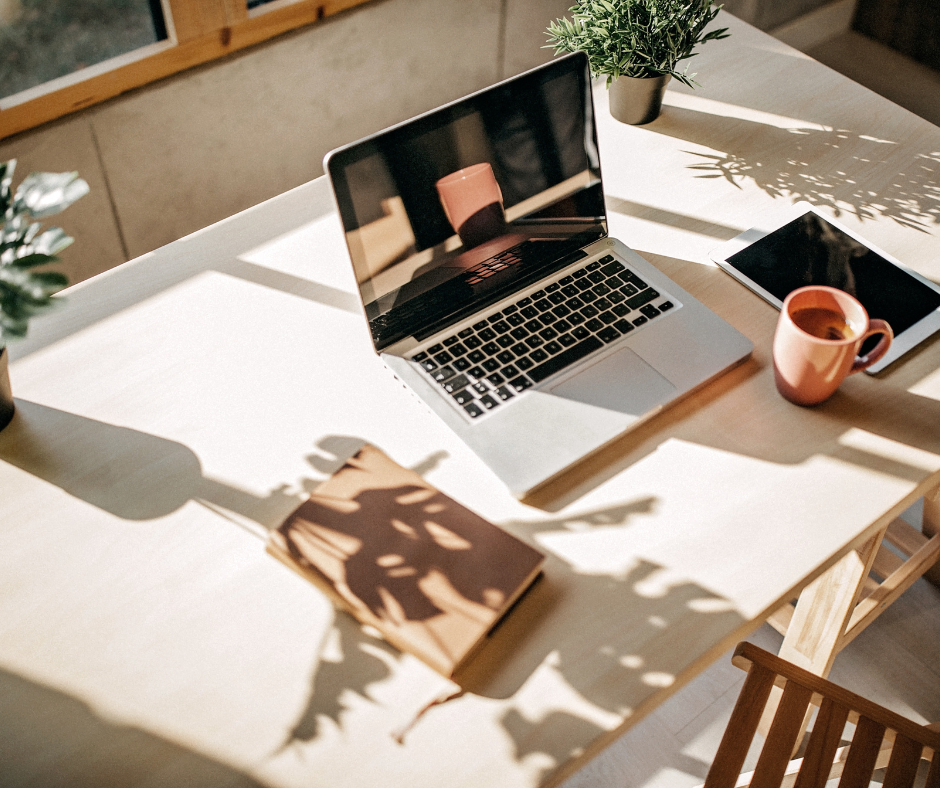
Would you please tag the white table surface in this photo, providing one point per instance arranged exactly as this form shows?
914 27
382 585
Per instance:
182 404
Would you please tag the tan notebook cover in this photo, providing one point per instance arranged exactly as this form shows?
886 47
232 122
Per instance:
429 574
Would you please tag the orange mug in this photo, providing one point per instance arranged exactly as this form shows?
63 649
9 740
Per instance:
816 345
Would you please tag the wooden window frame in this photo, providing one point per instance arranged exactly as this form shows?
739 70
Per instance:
199 31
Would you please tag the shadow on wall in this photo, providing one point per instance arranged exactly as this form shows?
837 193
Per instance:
51 739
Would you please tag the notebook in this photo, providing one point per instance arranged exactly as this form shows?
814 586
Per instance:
478 238
432 576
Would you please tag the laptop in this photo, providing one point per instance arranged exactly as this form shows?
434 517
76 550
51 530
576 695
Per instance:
478 237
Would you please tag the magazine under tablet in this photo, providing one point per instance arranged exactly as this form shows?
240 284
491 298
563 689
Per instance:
809 249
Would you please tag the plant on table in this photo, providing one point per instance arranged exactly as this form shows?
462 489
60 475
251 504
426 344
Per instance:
636 38
25 247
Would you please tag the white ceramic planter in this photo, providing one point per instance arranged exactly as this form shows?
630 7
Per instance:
637 100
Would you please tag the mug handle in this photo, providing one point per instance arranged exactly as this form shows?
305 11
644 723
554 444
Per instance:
887 335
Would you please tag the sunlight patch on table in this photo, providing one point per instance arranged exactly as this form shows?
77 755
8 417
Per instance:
725 110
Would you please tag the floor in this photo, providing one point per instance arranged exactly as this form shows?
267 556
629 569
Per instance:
895 662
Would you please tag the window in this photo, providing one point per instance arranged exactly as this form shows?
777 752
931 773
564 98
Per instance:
60 56
43 40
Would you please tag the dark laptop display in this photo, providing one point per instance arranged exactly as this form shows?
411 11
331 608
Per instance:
450 213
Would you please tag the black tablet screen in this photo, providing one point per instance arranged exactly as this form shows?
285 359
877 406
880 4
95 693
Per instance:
810 251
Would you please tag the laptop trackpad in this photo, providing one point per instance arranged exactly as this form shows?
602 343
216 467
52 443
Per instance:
622 381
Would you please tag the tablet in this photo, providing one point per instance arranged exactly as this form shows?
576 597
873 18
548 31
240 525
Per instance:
806 248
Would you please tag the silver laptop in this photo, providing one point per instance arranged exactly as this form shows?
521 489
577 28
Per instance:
478 237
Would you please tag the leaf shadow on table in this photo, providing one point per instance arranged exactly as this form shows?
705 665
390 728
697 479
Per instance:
52 739
637 659
807 164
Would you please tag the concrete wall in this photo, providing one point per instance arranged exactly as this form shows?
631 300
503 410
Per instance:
168 159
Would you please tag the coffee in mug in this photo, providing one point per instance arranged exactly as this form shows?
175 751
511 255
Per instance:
818 338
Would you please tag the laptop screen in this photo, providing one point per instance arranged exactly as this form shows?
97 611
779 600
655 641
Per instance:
452 211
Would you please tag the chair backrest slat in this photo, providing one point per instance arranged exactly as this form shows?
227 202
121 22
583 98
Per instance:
905 758
823 743
781 738
933 776
726 768
863 752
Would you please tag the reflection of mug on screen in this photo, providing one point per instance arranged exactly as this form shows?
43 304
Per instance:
473 203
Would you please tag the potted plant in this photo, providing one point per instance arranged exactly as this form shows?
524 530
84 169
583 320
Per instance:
637 45
24 247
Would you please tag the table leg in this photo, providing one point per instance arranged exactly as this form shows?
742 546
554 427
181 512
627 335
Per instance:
931 527
820 618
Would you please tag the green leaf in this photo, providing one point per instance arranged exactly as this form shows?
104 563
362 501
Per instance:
43 194
32 260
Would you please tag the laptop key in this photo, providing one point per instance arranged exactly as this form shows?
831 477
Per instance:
461 365
491 365
590 311
543 305
505 341
553 348
490 348
515 319
506 357
538 356
509 309
450 340
443 358
593 266
548 318
639 321
570 290
476 372
562 326
596 277
474 410
463 396
473 342
435 349
623 326
537 295
428 365
608 334
579 273
642 298
441 374
606 259
564 359
534 341
487 334
594 324
552 287
557 298
504 393
561 311
581 333
614 267
620 310
588 296
629 290
601 289
565 280
529 312
548 333
576 319
602 304
488 402
419 357
480 388
521 332
500 326
567 340
608 317
521 383
616 296
496 379
457 350
480 326
523 302
584 284
477 356
534 325
649 310
509 371
525 363
496 316
455 383
520 349
665 305
465 333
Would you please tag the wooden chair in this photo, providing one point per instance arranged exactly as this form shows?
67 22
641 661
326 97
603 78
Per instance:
880 737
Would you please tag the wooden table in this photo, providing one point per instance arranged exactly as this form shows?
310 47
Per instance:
183 404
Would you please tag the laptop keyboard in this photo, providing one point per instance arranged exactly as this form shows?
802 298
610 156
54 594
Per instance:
509 351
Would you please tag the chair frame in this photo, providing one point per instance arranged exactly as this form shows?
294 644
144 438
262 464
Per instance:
881 737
